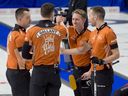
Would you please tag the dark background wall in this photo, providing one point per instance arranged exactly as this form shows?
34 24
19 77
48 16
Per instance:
123 4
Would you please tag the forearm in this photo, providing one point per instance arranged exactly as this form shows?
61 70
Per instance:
20 61
70 51
112 57
115 53
73 51
18 55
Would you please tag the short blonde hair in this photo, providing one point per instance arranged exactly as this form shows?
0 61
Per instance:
80 12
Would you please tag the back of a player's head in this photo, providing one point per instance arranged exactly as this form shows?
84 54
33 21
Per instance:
80 12
98 11
47 10
19 13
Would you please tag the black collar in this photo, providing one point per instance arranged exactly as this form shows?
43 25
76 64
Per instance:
79 34
18 28
45 23
102 26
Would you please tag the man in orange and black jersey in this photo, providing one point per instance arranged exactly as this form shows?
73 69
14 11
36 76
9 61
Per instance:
80 51
44 38
17 72
104 51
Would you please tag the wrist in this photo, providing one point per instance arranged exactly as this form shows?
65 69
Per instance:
102 61
105 62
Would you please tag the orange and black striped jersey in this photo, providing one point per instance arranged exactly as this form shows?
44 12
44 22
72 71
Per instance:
15 40
100 41
45 38
81 59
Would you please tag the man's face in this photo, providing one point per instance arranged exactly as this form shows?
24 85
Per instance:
92 17
77 20
26 19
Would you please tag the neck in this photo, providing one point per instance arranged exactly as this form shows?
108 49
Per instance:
46 18
79 29
99 23
20 24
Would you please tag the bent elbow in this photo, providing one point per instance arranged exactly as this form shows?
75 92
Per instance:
25 51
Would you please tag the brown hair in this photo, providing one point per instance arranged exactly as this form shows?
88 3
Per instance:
20 12
99 11
47 9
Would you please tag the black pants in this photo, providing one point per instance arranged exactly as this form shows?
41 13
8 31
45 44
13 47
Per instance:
104 81
45 81
83 86
19 81
103 90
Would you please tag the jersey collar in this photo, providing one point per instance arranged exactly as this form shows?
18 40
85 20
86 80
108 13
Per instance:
102 26
45 23
18 28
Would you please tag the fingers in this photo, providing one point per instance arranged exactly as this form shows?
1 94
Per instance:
85 77
22 67
31 51
82 77
59 19
30 42
21 64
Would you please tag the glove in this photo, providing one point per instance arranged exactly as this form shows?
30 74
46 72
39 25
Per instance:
95 60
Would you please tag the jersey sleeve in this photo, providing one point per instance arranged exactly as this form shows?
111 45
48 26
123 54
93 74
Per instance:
28 36
12 39
11 42
85 39
111 37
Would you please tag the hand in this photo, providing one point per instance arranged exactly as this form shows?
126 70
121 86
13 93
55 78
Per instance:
95 60
86 75
62 50
31 51
86 45
21 64
59 19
